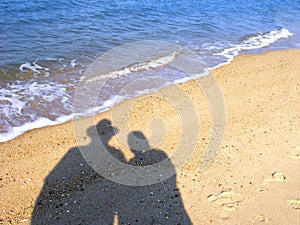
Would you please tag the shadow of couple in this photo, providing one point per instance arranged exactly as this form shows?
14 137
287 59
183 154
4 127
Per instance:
73 193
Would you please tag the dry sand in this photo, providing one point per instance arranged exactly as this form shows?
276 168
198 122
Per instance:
255 177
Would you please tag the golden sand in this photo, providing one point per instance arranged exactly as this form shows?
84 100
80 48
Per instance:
255 177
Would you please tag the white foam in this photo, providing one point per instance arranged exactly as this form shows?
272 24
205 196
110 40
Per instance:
255 42
155 63
41 122
51 59
73 63
18 96
33 67
14 132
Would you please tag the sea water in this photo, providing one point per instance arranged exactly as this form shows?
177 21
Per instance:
46 46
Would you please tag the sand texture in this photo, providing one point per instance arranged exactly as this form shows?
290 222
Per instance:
254 179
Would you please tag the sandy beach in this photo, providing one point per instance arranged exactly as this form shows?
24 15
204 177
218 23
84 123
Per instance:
255 178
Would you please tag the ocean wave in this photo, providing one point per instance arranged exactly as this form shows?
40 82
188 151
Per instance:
256 41
50 93
136 67
25 102
36 68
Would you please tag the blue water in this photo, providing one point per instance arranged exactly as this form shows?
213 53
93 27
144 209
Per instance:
45 46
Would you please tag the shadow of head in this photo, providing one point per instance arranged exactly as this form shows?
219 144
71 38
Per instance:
137 142
103 129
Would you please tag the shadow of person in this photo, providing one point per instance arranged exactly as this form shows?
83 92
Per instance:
158 203
73 193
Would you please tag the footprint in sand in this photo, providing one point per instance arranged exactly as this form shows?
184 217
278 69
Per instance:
228 201
295 153
294 204
276 176
260 219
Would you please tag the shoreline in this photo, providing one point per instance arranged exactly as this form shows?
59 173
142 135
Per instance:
230 54
256 166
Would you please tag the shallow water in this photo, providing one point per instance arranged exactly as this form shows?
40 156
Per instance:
46 46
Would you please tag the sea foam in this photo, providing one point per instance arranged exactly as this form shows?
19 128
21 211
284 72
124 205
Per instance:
257 41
